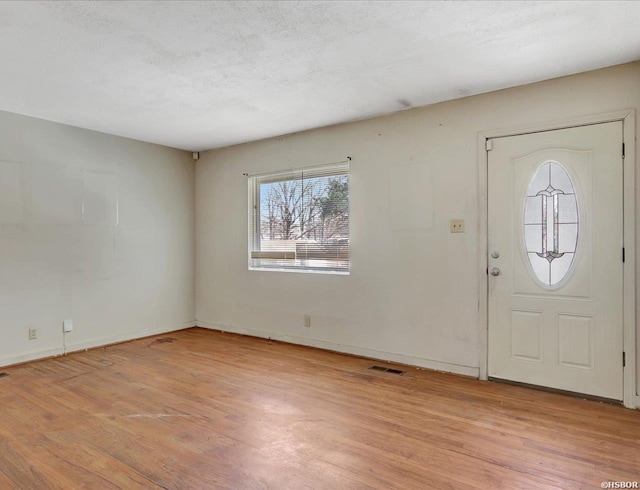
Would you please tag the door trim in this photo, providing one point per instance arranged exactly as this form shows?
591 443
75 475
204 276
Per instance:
630 396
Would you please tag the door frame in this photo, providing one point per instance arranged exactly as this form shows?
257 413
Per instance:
627 117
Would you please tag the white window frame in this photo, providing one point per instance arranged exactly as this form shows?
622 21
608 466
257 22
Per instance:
254 214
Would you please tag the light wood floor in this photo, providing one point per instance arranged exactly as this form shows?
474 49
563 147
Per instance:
202 409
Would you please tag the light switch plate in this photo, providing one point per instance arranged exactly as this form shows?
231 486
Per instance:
456 226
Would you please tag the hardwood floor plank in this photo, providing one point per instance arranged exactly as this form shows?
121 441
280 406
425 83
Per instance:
204 409
6 482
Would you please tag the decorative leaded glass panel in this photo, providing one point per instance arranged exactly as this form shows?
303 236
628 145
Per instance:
551 223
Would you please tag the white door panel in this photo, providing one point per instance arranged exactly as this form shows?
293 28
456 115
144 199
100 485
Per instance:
555 224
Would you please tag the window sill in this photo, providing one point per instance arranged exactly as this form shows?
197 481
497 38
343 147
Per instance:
301 271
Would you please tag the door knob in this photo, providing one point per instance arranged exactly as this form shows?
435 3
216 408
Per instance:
495 271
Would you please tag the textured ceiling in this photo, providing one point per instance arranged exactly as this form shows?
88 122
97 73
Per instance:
199 75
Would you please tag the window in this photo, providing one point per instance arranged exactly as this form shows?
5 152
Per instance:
299 219
551 222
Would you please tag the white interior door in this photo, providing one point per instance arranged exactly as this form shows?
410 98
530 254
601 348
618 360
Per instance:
555 259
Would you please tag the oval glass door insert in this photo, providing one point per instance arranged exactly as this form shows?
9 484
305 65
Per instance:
551 223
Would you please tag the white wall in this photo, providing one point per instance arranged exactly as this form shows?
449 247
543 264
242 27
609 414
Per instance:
412 294
93 227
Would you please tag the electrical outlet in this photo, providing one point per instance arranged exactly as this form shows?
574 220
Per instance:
456 226
33 334
307 321
67 326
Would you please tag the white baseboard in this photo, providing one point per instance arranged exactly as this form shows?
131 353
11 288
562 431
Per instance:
139 334
347 349
31 356
90 344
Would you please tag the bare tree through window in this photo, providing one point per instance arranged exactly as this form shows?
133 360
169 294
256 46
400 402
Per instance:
303 218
